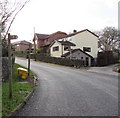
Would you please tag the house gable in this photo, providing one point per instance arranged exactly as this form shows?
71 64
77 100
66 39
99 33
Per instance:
86 39
56 53
58 48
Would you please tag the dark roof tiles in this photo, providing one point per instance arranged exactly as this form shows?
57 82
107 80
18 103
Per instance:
74 50
42 36
67 43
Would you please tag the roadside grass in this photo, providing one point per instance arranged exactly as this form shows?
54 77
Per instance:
20 92
15 73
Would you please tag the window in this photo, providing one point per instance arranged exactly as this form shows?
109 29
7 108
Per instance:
66 47
56 48
82 58
87 49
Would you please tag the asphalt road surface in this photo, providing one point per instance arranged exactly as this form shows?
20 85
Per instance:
64 91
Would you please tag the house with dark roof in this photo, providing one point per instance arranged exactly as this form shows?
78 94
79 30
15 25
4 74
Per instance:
40 39
21 45
86 44
58 43
43 41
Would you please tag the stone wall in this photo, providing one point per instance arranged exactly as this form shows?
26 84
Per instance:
5 67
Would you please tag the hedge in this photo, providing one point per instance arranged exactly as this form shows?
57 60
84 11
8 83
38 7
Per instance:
54 60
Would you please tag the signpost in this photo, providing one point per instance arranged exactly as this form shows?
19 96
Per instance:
13 36
10 62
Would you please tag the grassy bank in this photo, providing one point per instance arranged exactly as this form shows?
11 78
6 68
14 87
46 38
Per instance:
20 91
15 72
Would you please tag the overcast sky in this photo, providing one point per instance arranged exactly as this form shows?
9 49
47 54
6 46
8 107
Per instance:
49 16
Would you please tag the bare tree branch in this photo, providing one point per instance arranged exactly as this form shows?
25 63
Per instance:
15 17
8 12
108 38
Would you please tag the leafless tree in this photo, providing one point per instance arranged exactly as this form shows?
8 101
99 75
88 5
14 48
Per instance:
109 39
9 9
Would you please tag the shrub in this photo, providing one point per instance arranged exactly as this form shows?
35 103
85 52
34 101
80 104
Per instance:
60 61
107 58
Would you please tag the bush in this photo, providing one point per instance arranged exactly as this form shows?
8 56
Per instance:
21 52
60 61
107 58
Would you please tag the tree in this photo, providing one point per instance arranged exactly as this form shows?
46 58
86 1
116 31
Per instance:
8 12
9 9
108 39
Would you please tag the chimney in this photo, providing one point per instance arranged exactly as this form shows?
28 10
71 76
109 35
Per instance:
74 31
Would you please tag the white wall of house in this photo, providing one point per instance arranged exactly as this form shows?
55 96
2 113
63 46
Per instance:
86 39
56 53
59 52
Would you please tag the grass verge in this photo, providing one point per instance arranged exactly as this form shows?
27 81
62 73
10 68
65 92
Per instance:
20 92
15 73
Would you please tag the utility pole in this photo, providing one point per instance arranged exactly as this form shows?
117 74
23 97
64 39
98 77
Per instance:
10 66
29 56
34 45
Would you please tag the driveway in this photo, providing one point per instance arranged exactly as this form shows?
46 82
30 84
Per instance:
107 70
63 91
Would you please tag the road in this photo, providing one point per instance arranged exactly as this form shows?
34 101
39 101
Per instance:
64 91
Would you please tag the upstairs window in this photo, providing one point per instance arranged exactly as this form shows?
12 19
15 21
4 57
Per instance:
87 49
56 48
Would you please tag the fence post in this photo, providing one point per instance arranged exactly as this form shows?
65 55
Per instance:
10 66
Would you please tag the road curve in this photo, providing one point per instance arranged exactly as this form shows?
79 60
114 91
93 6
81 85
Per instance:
63 91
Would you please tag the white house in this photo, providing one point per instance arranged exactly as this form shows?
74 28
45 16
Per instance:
85 40
58 48
77 45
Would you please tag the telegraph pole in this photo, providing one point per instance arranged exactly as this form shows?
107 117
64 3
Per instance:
29 56
34 45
